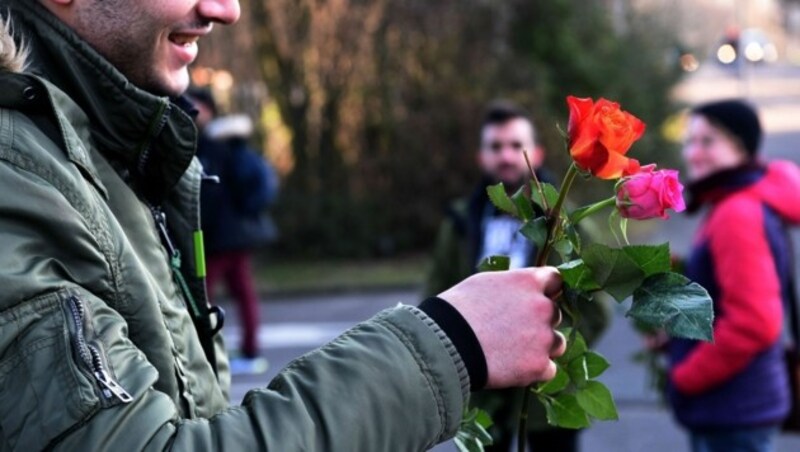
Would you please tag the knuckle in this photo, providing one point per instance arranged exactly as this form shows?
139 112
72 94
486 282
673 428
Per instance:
548 339
544 309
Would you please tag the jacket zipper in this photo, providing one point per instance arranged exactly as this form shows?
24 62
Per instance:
91 355
162 122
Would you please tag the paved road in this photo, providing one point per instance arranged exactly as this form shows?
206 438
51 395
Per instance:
294 326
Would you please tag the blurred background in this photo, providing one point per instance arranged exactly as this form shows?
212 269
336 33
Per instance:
370 111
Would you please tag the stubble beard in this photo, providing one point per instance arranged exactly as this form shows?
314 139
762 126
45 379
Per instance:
118 32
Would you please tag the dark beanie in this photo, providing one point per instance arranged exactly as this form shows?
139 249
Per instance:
735 117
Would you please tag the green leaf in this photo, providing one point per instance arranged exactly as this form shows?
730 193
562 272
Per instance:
613 220
574 299
483 419
596 364
467 443
623 227
651 259
596 399
578 372
564 411
499 197
550 196
523 204
577 275
613 270
576 346
494 264
477 431
550 193
564 248
536 231
472 434
574 237
672 301
557 384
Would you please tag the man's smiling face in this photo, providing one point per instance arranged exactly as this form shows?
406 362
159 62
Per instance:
152 42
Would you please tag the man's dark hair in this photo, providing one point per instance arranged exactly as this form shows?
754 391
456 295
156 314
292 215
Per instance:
503 111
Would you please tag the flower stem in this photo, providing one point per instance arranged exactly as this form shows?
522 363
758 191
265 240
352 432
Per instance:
554 223
554 220
535 179
591 209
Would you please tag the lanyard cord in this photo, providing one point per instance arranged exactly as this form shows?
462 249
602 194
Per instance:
201 317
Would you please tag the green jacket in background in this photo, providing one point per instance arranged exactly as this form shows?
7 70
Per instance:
455 258
97 348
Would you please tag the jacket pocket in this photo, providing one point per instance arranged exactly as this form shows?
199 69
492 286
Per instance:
88 352
43 392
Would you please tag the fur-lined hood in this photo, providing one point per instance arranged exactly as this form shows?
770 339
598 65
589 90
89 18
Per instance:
12 57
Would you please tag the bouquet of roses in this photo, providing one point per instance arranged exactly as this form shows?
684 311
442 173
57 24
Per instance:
599 136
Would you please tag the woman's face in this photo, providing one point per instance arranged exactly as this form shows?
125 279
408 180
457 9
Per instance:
709 149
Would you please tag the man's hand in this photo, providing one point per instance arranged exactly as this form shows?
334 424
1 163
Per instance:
513 315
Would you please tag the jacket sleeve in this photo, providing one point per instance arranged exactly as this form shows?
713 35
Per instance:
393 383
750 307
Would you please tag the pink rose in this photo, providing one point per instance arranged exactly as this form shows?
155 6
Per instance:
649 193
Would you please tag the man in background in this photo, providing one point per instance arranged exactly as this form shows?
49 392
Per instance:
474 229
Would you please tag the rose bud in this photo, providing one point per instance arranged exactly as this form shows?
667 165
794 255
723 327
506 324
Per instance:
649 193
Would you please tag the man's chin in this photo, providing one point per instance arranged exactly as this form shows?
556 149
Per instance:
169 84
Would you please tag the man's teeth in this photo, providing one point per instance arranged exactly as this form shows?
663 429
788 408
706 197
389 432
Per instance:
184 40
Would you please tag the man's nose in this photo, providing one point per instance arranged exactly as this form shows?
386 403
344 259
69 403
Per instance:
511 153
222 11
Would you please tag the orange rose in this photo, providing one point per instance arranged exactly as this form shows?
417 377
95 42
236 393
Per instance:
600 135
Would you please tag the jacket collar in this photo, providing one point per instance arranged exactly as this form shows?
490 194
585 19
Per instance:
718 186
153 138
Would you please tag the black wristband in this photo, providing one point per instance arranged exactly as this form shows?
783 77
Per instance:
461 335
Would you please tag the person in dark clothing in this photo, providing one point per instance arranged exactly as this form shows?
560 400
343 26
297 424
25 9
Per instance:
732 394
474 229
233 212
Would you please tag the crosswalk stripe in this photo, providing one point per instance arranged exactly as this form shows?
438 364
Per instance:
289 334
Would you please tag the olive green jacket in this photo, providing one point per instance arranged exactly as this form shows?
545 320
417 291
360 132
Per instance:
98 350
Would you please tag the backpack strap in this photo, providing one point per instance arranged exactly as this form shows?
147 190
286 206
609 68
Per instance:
792 310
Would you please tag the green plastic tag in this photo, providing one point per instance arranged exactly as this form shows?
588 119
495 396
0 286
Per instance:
199 254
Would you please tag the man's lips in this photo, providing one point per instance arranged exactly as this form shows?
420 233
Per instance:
185 44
